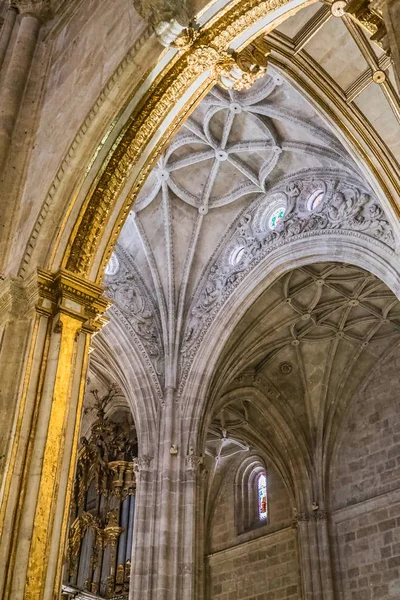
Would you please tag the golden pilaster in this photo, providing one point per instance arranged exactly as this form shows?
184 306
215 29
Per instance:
73 309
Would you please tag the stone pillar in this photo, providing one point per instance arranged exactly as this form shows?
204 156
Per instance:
169 466
314 554
6 32
40 467
188 565
143 530
32 13
164 539
324 553
301 522
18 324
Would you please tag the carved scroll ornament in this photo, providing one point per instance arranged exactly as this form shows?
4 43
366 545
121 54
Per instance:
345 208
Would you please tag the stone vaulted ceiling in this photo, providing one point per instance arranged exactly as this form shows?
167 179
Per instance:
248 172
305 348
325 41
313 337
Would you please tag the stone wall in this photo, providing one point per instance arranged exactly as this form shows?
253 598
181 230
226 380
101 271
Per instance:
366 492
223 530
260 564
368 459
262 569
78 54
368 549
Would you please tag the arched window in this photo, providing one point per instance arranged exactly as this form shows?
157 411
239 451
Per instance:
262 497
251 490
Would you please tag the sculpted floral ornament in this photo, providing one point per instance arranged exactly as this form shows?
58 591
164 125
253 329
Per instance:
168 18
133 302
142 463
343 206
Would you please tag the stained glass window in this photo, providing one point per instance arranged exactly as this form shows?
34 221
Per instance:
237 255
262 496
315 199
276 217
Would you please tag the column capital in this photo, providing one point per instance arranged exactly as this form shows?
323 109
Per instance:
157 12
193 462
41 9
314 515
70 294
142 463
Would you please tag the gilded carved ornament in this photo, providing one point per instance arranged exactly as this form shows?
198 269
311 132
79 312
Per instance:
104 479
65 292
207 50
364 13
200 51
241 70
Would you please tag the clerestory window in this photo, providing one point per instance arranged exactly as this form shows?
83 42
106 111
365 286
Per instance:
262 497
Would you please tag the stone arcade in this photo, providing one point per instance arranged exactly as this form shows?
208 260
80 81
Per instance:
200 292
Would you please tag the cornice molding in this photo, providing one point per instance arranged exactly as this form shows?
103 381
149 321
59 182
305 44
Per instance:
65 292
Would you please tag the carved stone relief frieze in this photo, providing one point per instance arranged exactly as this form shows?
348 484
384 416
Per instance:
134 308
296 208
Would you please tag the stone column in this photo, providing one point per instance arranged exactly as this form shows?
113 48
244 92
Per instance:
32 13
302 522
314 554
38 482
143 530
324 553
188 550
19 323
6 32
169 467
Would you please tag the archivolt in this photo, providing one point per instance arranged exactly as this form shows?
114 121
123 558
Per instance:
366 254
179 85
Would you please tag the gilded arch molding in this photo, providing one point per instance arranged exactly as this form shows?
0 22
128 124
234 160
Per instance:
105 208
182 73
199 63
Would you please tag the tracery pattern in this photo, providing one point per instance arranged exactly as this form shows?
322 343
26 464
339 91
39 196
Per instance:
227 166
335 302
235 143
134 306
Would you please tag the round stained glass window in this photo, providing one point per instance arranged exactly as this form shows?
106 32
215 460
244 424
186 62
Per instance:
315 199
276 216
236 255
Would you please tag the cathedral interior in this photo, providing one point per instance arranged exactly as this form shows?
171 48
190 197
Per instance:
200 300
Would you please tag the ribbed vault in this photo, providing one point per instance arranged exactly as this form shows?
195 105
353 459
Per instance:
248 172
292 366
